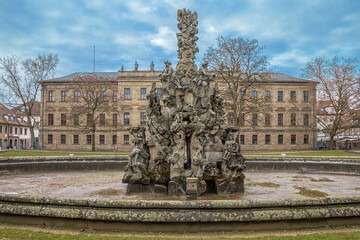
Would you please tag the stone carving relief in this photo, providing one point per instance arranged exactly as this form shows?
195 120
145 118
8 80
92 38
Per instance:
189 141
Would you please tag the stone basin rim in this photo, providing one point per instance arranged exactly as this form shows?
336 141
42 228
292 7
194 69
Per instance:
173 204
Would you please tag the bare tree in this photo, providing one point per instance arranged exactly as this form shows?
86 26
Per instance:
93 97
338 92
22 80
239 63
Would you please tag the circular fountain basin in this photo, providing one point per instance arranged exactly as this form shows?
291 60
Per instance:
85 193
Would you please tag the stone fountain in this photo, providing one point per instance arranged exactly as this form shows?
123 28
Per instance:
190 150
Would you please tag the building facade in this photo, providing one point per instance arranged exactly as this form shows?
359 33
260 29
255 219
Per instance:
283 122
14 132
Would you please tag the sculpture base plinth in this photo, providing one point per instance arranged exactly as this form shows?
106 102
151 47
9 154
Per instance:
138 188
225 186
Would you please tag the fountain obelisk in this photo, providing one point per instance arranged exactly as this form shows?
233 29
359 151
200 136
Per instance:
190 149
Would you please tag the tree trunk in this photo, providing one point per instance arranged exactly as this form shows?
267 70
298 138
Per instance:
32 134
332 143
93 138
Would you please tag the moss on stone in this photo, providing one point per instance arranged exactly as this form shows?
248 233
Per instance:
108 192
310 193
264 184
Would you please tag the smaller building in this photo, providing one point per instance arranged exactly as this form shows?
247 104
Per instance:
14 132
348 137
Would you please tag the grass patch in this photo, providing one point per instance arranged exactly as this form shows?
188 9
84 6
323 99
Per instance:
107 192
50 153
7 233
264 184
310 193
304 153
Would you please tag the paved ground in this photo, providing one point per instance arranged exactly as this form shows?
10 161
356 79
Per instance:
107 185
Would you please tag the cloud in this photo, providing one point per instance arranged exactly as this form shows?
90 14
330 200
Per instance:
165 38
287 59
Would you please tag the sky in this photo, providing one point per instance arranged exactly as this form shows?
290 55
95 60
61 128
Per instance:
292 31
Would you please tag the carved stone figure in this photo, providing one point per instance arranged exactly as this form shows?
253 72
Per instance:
189 143
136 170
152 66
122 68
233 163
136 66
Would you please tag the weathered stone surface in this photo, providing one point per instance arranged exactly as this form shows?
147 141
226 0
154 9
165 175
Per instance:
188 127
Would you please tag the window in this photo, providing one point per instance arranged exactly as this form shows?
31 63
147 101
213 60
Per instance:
143 118
254 94
241 94
242 139
242 119
280 119
89 119
126 93
114 139
305 96
10 130
126 139
230 91
115 119
0 129
102 119
159 92
21 131
76 139
90 96
293 96
254 139
230 118
63 139
102 139
306 119
293 139
0 116
6 129
293 119
102 96
63 96
115 96
76 96
88 139
280 139
63 119
267 96
16 130
306 139
50 119
143 93
25 131
267 139
280 96
50 139
126 118
51 96
267 119
254 119
76 119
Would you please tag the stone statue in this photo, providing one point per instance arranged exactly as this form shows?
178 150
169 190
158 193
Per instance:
122 68
233 161
136 170
189 150
136 66
152 66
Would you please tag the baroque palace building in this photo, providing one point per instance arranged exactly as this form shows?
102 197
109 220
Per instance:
284 121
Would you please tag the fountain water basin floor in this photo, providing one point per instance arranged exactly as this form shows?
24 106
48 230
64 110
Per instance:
107 185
